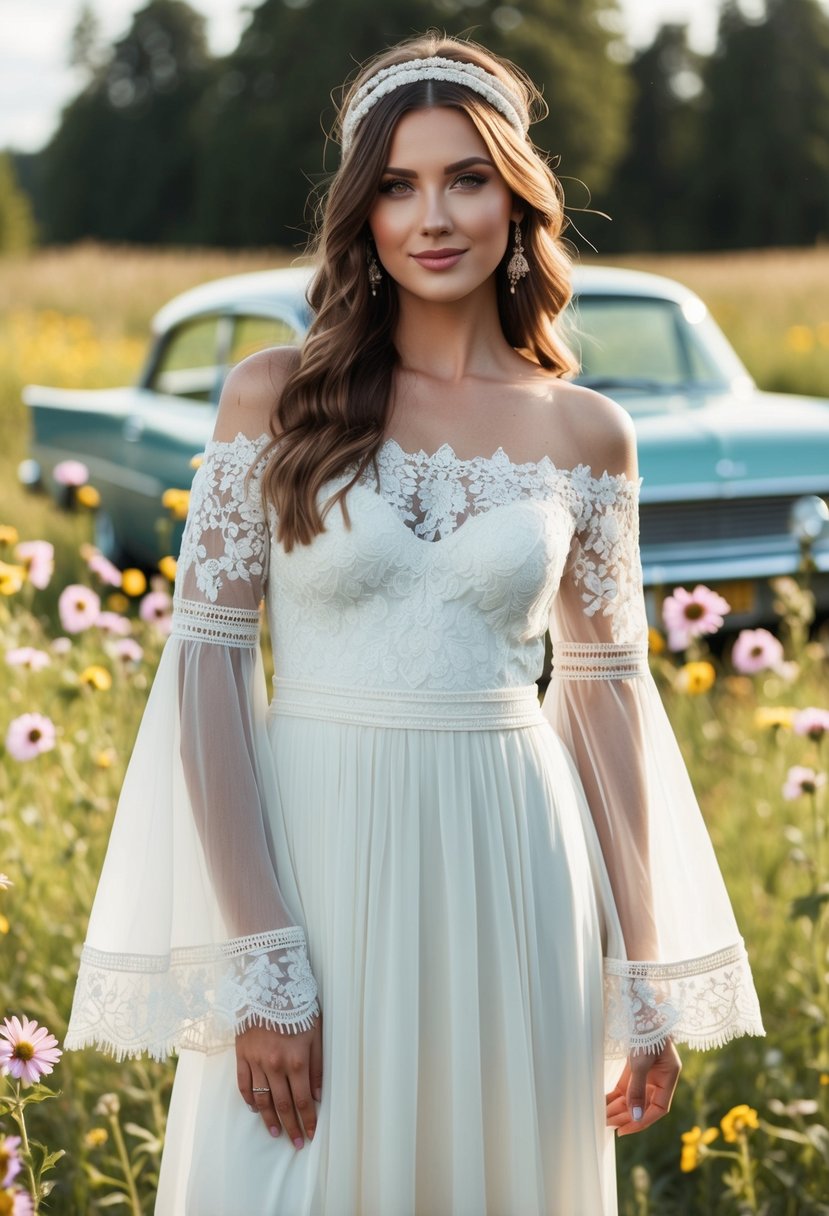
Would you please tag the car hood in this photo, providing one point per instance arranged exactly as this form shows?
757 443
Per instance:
726 443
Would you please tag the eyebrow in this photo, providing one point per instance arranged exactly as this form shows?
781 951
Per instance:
459 164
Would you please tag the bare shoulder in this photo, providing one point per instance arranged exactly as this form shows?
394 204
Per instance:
600 430
251 392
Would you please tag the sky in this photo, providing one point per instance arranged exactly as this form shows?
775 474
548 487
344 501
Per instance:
34 38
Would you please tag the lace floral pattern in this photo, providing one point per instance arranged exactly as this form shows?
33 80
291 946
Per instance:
703 1002
225 539
193 998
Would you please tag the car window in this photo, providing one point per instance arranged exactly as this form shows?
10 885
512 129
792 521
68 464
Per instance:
628 337
187 365
251 334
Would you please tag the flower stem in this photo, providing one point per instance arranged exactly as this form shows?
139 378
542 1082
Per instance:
745 1163
20 1119
123 1157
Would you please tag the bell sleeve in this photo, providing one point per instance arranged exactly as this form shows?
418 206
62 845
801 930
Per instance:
191 937
675 963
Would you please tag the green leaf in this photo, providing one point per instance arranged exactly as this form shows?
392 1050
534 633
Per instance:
808 905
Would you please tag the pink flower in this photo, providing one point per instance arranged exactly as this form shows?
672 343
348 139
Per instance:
756 650
70 473
61 645
689 614
127 650
27 1051
106 571
157 608
114 623
29 735
10 1163
28 656
801 780
78 608
21 1203
5 882
38 556
812 722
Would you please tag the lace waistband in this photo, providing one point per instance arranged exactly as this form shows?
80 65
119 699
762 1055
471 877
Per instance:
426 709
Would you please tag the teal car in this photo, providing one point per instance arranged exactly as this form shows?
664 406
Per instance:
736 480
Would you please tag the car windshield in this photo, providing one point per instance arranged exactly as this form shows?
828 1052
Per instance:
648 345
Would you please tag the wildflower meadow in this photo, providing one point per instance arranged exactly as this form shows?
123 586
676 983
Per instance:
80 639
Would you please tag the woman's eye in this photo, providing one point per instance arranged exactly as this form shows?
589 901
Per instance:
474 178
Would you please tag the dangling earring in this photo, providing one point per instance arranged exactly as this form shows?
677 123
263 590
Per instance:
375 274
518 265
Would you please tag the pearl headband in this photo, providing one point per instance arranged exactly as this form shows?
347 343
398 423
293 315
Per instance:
436 67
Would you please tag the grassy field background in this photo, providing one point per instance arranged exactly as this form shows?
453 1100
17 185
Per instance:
78 317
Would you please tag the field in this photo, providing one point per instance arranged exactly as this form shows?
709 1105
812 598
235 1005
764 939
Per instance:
78 318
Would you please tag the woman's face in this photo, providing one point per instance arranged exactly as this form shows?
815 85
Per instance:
428 201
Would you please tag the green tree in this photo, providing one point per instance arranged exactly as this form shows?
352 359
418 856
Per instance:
263 123
648 199
122 164
764 166
17 225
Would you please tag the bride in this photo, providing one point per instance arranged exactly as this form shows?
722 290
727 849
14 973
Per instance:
422 942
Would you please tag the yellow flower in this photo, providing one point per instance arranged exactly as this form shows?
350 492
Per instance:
197 460
824 1078
177 502
4 924
88 496
800 339
95 1137
8 535
167 566
117 602
693 1146
737 1119
695 677
133 582
96 677
774 715
656 642
12 578
105 758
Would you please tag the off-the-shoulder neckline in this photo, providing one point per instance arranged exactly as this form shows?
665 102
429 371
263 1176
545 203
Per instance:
447 453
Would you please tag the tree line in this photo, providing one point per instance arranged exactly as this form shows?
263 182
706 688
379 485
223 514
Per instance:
663 149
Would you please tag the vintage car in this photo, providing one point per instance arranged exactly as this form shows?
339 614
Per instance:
735 480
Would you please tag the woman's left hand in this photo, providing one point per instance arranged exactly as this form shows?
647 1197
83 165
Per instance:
648 1081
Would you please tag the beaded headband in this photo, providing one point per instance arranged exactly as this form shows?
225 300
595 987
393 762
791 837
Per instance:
435 67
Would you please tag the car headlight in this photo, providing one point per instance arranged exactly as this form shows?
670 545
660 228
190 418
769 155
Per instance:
29 474
808 518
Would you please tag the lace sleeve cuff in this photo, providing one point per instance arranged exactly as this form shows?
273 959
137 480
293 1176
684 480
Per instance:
196 998
703 1002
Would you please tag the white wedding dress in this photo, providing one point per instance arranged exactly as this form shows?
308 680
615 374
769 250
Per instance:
492 899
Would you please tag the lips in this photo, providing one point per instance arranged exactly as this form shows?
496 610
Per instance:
433 255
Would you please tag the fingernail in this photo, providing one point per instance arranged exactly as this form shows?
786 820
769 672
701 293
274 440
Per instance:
637 1112
298 1142
318 1094
274 1131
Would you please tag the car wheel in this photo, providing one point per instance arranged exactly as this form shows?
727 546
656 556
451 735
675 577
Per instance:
107 540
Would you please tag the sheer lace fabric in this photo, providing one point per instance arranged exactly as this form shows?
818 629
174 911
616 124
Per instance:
447 583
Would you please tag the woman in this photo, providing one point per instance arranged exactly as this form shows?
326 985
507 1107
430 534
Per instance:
423 945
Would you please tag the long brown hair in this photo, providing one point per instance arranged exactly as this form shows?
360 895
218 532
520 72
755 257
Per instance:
334 404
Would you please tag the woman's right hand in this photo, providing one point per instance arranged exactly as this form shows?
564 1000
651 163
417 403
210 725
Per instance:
290 1065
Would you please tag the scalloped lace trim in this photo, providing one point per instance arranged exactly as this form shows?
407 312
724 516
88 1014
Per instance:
703 1002
197 998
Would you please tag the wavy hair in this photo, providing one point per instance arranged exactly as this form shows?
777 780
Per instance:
333 407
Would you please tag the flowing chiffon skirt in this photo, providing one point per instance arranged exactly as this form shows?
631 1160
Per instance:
456 909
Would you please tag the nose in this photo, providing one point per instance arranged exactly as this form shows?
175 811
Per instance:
435 216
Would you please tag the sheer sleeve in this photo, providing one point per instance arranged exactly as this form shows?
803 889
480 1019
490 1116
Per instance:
675 961
191 936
